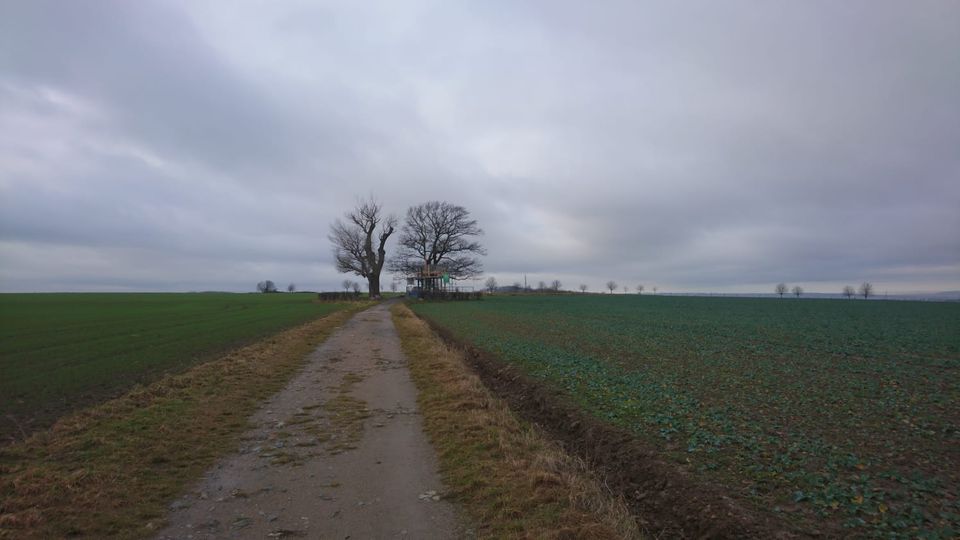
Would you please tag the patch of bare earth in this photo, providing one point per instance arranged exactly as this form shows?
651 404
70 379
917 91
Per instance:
339 453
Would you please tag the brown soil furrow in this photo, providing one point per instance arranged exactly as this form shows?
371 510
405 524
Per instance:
668 501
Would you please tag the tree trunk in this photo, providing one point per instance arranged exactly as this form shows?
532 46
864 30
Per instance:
373 285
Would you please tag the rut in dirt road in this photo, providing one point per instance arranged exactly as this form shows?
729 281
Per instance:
339 453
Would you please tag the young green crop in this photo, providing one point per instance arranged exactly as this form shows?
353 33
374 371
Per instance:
59 351
844 410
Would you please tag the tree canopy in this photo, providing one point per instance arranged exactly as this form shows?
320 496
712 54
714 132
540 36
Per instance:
354 250
441 235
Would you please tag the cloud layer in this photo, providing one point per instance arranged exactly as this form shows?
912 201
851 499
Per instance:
703 146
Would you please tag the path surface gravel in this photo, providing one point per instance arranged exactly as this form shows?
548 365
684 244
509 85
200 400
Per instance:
339 453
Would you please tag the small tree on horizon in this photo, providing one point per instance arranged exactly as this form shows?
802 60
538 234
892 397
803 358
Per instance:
555 285
781 289
866 289
355 286
267 287
491 284
292 287
583 287
797 290
849 291
639 289
612 285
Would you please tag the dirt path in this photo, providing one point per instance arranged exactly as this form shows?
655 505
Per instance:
339 453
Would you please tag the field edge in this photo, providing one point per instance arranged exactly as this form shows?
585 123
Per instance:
112 469
667 499
508 476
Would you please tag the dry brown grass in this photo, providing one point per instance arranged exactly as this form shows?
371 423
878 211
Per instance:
512 480
110 471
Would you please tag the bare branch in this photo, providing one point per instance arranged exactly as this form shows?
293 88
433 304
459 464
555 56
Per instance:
354 250
439 234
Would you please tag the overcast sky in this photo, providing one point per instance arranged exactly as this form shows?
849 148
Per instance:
693 146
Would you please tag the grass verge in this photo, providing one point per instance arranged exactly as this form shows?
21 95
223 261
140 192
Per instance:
110 470
510 478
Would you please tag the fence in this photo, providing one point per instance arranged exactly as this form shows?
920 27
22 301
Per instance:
339 296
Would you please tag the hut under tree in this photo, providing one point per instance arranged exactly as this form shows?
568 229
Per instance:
434 283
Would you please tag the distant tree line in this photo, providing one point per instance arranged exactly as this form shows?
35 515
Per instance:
268 286
865 290
557 286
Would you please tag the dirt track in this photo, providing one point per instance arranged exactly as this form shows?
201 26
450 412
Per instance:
339 453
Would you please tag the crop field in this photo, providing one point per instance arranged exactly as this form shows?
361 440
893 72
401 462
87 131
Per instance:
836 415
61 351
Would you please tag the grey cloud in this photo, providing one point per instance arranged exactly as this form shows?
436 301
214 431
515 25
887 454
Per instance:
703 145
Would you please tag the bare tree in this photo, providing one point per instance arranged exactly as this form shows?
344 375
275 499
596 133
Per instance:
292 287
441 235
639 289
393 286
849 291
612 285
797 290
583 287
781 289
654 290
346 284
355 286
866 289
267 286
491 284
555 285
354 248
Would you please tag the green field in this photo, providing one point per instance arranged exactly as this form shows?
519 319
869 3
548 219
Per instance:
837 412
61 351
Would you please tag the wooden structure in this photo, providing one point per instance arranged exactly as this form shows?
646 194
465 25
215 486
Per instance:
427 279
434 283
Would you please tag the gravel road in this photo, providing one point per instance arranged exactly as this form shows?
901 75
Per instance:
339 453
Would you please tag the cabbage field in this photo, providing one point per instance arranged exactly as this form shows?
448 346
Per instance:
835 415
